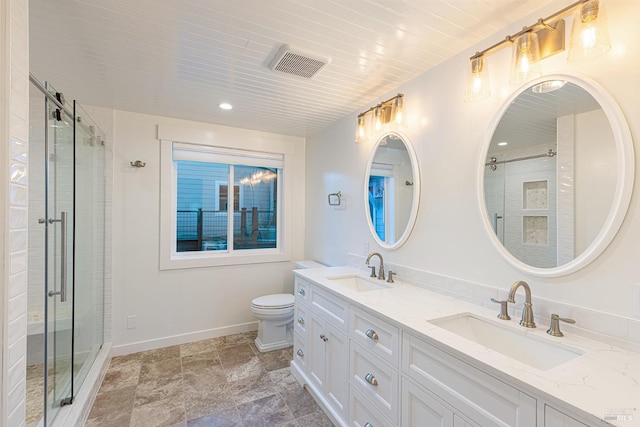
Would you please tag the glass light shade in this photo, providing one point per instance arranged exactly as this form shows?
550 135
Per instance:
589 32
362 130
525 62
478 85
377 118
397 112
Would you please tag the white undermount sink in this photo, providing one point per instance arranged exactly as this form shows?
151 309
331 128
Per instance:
534 351
359 284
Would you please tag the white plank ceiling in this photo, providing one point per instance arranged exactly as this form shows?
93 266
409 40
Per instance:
181 58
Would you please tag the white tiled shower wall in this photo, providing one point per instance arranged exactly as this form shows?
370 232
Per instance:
15 319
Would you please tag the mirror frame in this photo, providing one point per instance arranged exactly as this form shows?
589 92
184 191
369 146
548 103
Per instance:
624 180
415 203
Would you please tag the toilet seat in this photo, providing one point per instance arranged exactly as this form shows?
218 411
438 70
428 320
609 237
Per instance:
273 302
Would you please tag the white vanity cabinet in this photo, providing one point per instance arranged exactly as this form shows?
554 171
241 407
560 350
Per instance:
320 330
369 371
474 394
420 408
555 418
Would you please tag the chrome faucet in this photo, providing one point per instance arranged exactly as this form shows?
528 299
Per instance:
381 270
527 312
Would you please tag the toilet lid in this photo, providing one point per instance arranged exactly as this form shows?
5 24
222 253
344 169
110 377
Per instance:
274 301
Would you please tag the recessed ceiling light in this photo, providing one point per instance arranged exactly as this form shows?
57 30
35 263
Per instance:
548 86
502 144
225 106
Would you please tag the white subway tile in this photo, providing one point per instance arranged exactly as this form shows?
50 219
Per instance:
17 285
16 374
18 262
17 240
17 307
16 416
18 195
19 173
18 349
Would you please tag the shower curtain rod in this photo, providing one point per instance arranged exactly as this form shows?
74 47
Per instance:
58 104
493 161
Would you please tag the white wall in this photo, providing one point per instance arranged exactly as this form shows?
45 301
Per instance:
449 237
185 304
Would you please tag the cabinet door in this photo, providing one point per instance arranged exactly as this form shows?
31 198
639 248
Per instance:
316 363
337 370
419 409
555 418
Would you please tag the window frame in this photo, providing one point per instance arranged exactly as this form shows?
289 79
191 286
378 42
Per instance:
169 258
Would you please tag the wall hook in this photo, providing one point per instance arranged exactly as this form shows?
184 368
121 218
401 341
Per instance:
138 164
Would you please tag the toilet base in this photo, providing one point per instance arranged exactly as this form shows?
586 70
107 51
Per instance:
272 345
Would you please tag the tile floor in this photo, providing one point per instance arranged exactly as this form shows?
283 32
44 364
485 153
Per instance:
222 381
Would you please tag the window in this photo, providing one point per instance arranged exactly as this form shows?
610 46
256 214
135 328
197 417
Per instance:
212 222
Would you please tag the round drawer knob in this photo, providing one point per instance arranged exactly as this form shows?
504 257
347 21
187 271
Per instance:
371 379
301 320
301 292
371 334
300 352
368 425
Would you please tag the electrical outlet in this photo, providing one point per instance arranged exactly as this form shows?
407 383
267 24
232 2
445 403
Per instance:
132 322
635 289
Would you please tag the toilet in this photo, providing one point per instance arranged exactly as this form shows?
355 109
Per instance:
275 316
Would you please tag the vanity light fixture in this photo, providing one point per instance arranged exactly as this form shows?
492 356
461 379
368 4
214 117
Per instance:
478 84
589 33
525 61
589 39
386 115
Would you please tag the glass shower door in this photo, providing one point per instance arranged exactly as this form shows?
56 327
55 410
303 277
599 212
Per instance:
59 166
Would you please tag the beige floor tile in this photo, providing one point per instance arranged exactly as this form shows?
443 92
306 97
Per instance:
218 382
160 413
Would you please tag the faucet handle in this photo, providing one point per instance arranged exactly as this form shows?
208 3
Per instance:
373 270
391 274
554 328
504 314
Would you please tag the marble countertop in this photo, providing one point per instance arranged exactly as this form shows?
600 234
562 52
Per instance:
602 382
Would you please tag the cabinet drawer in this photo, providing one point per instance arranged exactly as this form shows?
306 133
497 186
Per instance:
300 321
363 414
477 395
377 380
302 291
300 352
376 336
330 307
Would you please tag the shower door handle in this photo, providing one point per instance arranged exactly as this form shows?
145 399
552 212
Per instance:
63 257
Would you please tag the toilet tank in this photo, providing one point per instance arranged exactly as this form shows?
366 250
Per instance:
308 264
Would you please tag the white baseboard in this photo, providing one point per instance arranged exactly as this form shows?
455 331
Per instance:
120 350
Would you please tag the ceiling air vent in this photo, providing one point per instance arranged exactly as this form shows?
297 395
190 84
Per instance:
297 63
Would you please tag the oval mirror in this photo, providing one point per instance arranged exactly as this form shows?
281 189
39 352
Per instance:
555 175
392 190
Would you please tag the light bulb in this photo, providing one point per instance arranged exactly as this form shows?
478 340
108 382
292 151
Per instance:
525 62
478 85
589 32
